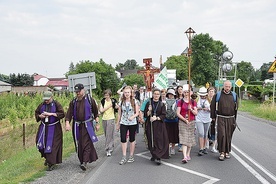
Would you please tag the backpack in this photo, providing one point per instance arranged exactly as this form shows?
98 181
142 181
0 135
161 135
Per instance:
171 116
233 94
113 100
218 97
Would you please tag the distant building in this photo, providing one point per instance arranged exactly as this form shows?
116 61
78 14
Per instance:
185 52
40 80
5 87
58 83
124 73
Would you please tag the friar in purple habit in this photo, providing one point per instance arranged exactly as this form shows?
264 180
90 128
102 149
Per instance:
83 111
49 135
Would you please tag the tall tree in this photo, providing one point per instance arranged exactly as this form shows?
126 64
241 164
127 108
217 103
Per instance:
105 74
245 71
21 79
264 74
204 68
180 63
134 78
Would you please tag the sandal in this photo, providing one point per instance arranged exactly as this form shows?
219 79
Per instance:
221 157
227 155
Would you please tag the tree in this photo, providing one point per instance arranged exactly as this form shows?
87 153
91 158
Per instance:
130 64
21 80
4 78
245 71
204 68
132 79
106 77
264 74
180 63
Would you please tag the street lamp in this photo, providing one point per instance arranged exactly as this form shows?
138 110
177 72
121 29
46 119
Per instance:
190 34
224 65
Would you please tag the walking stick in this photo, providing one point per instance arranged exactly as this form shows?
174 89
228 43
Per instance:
151 128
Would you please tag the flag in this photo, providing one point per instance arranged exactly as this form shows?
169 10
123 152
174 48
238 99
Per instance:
161 81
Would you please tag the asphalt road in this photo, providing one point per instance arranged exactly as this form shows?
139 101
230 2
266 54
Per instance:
252 161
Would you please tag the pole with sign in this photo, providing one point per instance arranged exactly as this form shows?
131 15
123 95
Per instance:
272 69
239 83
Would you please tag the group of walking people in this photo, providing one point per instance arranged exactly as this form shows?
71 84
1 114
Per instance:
169 117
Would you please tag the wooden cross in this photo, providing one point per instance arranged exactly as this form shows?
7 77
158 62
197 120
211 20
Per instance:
148 73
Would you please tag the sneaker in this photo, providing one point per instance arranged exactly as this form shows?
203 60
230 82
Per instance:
172 151
108 153
185 160
205 151
214 150
123 161
189 158
158 161
83 167
130 159
200 153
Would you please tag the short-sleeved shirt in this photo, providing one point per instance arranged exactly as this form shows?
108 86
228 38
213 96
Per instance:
128 111
109 113
184 108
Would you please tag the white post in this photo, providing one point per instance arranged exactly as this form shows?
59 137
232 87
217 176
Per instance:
274 78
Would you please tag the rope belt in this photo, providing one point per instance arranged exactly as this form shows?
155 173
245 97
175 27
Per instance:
50 124
226 116
80 122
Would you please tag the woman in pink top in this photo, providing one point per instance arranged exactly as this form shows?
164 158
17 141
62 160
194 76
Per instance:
186 112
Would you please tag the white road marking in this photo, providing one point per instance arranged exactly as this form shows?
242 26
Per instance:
210 178
267 172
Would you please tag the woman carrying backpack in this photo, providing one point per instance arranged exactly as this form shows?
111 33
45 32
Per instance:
107 108
186 112
171 120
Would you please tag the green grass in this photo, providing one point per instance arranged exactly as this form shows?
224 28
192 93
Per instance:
255 108
25 165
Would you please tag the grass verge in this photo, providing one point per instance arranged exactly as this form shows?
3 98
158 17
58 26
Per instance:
19 165
255 108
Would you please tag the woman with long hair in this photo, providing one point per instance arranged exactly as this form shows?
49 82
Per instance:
127 122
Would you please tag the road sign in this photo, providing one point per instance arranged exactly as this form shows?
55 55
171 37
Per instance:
239 83
272 68
87 79
219 83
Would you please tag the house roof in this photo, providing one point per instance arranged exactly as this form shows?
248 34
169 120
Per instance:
38 76
4 83
57 83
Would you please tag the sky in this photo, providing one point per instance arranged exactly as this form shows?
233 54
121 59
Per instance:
44 37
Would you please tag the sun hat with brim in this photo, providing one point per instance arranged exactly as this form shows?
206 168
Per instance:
202 91
47 95
170 91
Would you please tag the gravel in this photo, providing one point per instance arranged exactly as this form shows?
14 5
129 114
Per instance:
69 171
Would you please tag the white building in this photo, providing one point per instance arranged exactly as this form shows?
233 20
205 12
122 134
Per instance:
5 87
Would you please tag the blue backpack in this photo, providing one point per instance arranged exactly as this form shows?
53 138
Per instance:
218 97
233 94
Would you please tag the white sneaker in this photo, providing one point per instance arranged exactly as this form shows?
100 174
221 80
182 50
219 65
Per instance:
213 150
173 151
108 153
